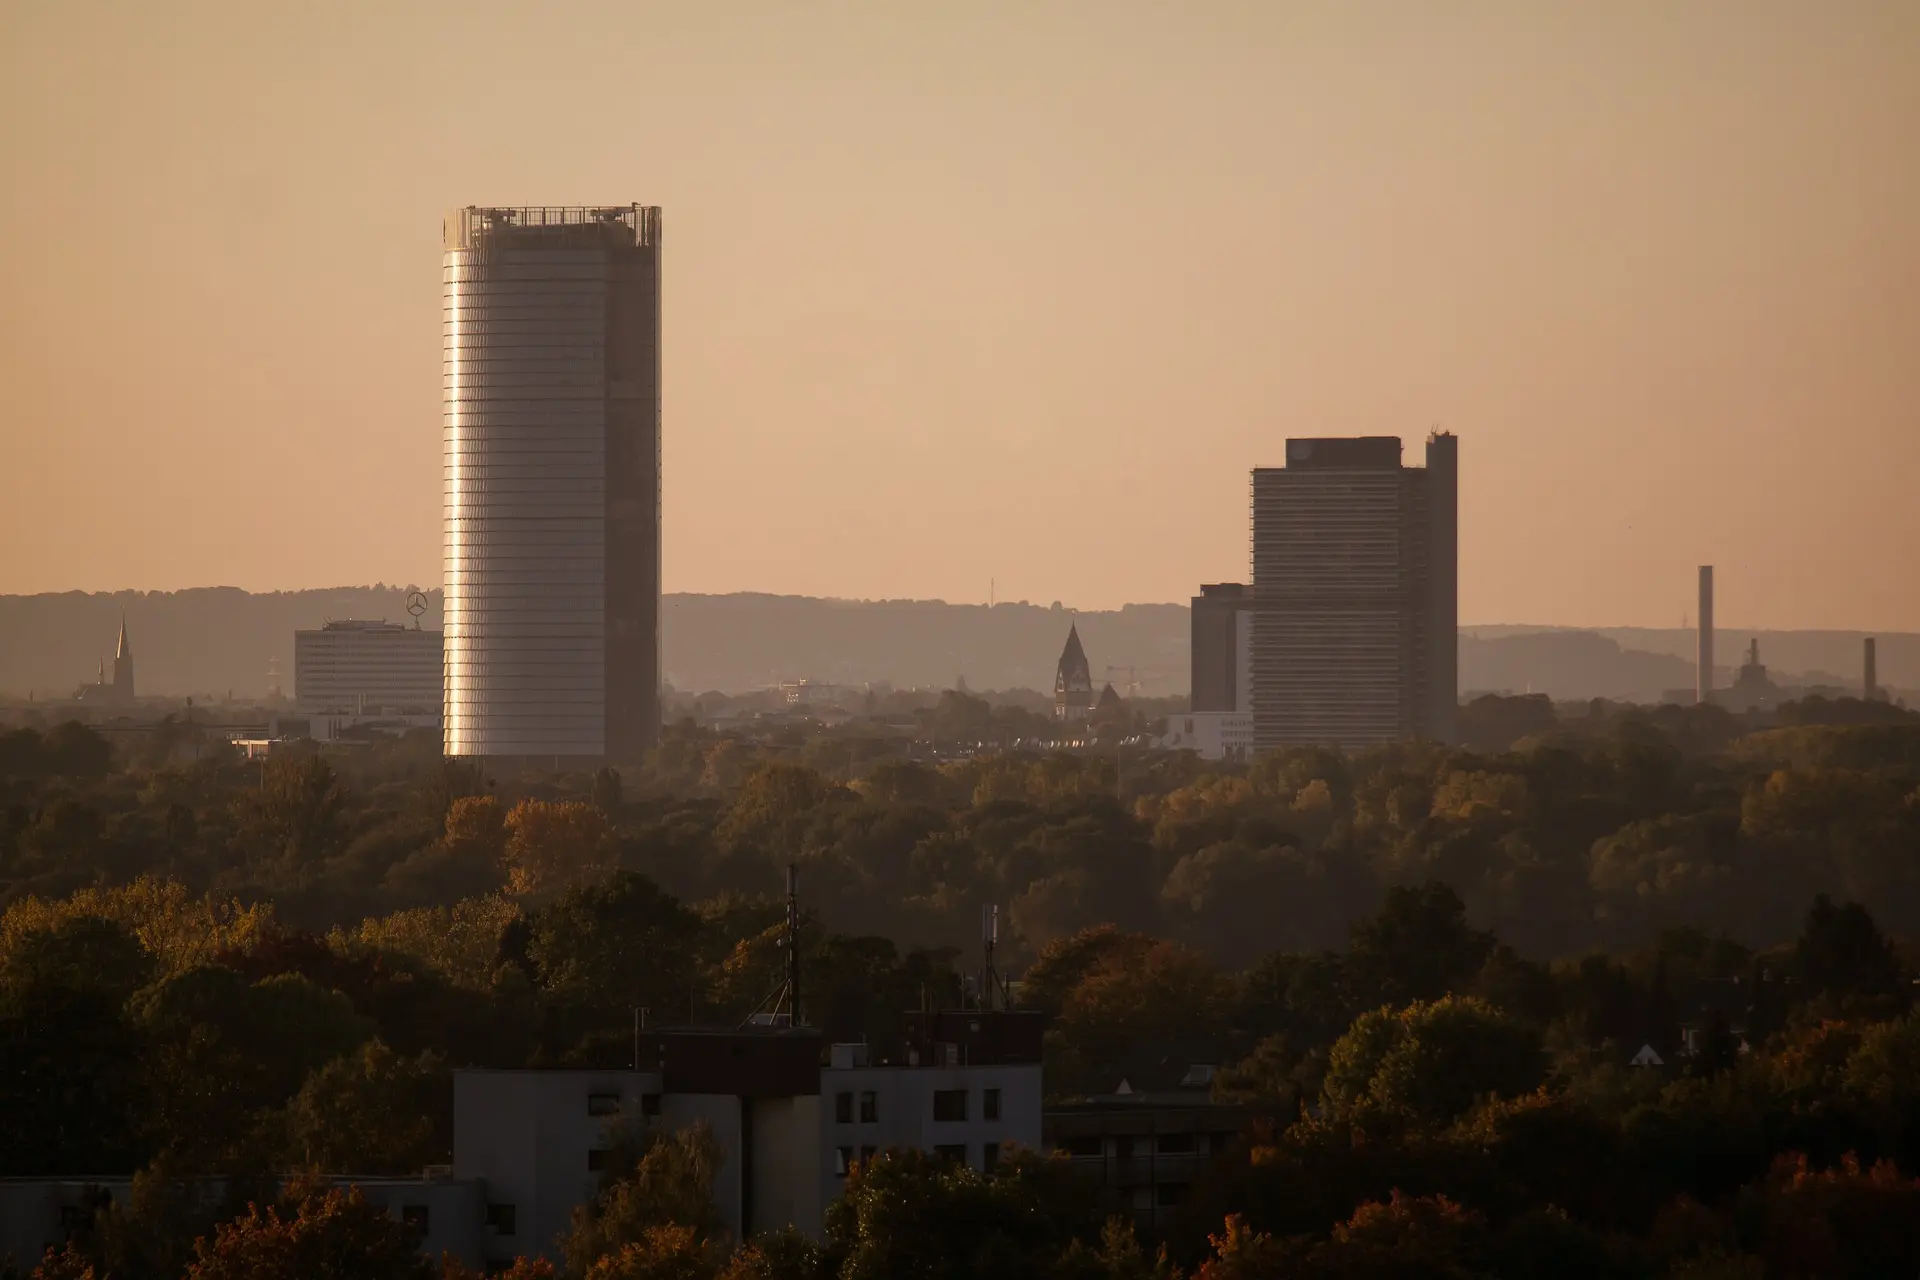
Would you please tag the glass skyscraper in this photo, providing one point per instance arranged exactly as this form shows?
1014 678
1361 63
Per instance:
551 433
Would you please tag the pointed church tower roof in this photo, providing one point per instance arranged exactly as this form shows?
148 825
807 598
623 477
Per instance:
1073 655
122 651
1073 679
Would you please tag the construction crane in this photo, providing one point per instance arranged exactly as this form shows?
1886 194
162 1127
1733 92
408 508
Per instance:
1133 682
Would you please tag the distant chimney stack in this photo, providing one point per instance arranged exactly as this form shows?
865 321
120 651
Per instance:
1869 672
1704 679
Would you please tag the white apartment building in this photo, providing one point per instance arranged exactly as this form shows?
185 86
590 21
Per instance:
968 1114
789 1128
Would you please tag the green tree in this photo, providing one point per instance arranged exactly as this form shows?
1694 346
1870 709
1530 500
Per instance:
78 953
1418 948
1842 951
623 943
297 816
1426 1064
372 1112
911 1214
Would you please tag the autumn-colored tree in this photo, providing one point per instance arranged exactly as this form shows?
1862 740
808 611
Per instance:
661 1253
666 1185
1241 1253
179 929
1165 994
552 844
1842 1221
778 1255
315 1233
460 943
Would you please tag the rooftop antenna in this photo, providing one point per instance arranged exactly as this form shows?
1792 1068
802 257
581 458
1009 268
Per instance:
993 990
793 943
785 998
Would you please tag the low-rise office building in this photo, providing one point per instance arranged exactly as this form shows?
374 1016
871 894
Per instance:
365 669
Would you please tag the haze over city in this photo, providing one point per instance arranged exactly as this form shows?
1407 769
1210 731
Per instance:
995 293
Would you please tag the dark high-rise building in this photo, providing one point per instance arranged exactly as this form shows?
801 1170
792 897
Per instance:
552 475
1355 584
1222 617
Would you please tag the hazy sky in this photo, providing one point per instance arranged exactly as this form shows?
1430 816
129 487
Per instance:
971 291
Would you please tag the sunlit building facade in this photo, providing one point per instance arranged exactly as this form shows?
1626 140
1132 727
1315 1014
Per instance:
552 482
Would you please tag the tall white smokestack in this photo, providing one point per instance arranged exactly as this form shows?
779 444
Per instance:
1869 671
1704 679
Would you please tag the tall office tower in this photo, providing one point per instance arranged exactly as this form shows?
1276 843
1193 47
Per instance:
1703 659
1355 584
1222 618
552 474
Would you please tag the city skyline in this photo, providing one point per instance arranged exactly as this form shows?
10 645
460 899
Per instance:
1653 263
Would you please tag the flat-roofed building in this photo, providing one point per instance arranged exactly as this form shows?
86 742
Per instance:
367 668
1355 568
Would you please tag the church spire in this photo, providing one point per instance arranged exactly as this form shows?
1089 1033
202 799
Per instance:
123 665
1073 680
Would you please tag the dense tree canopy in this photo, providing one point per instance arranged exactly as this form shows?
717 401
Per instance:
1429 967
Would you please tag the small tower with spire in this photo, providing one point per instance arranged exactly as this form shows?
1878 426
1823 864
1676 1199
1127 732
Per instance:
122 666
1072 681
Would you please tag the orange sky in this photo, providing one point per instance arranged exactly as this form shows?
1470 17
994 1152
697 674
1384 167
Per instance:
1010 291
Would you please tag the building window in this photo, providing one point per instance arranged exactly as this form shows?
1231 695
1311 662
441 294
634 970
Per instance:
1169 1195
649 1104
990 1104
415 1216
843 1108
603 1104
1085 1145
949 1106
842 1160
955 1152
596 1159
989 1156
869 1107
1123 1147
1174 1144
866 1156
500 1218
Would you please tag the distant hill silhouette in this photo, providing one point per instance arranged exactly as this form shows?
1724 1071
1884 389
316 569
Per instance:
215 639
